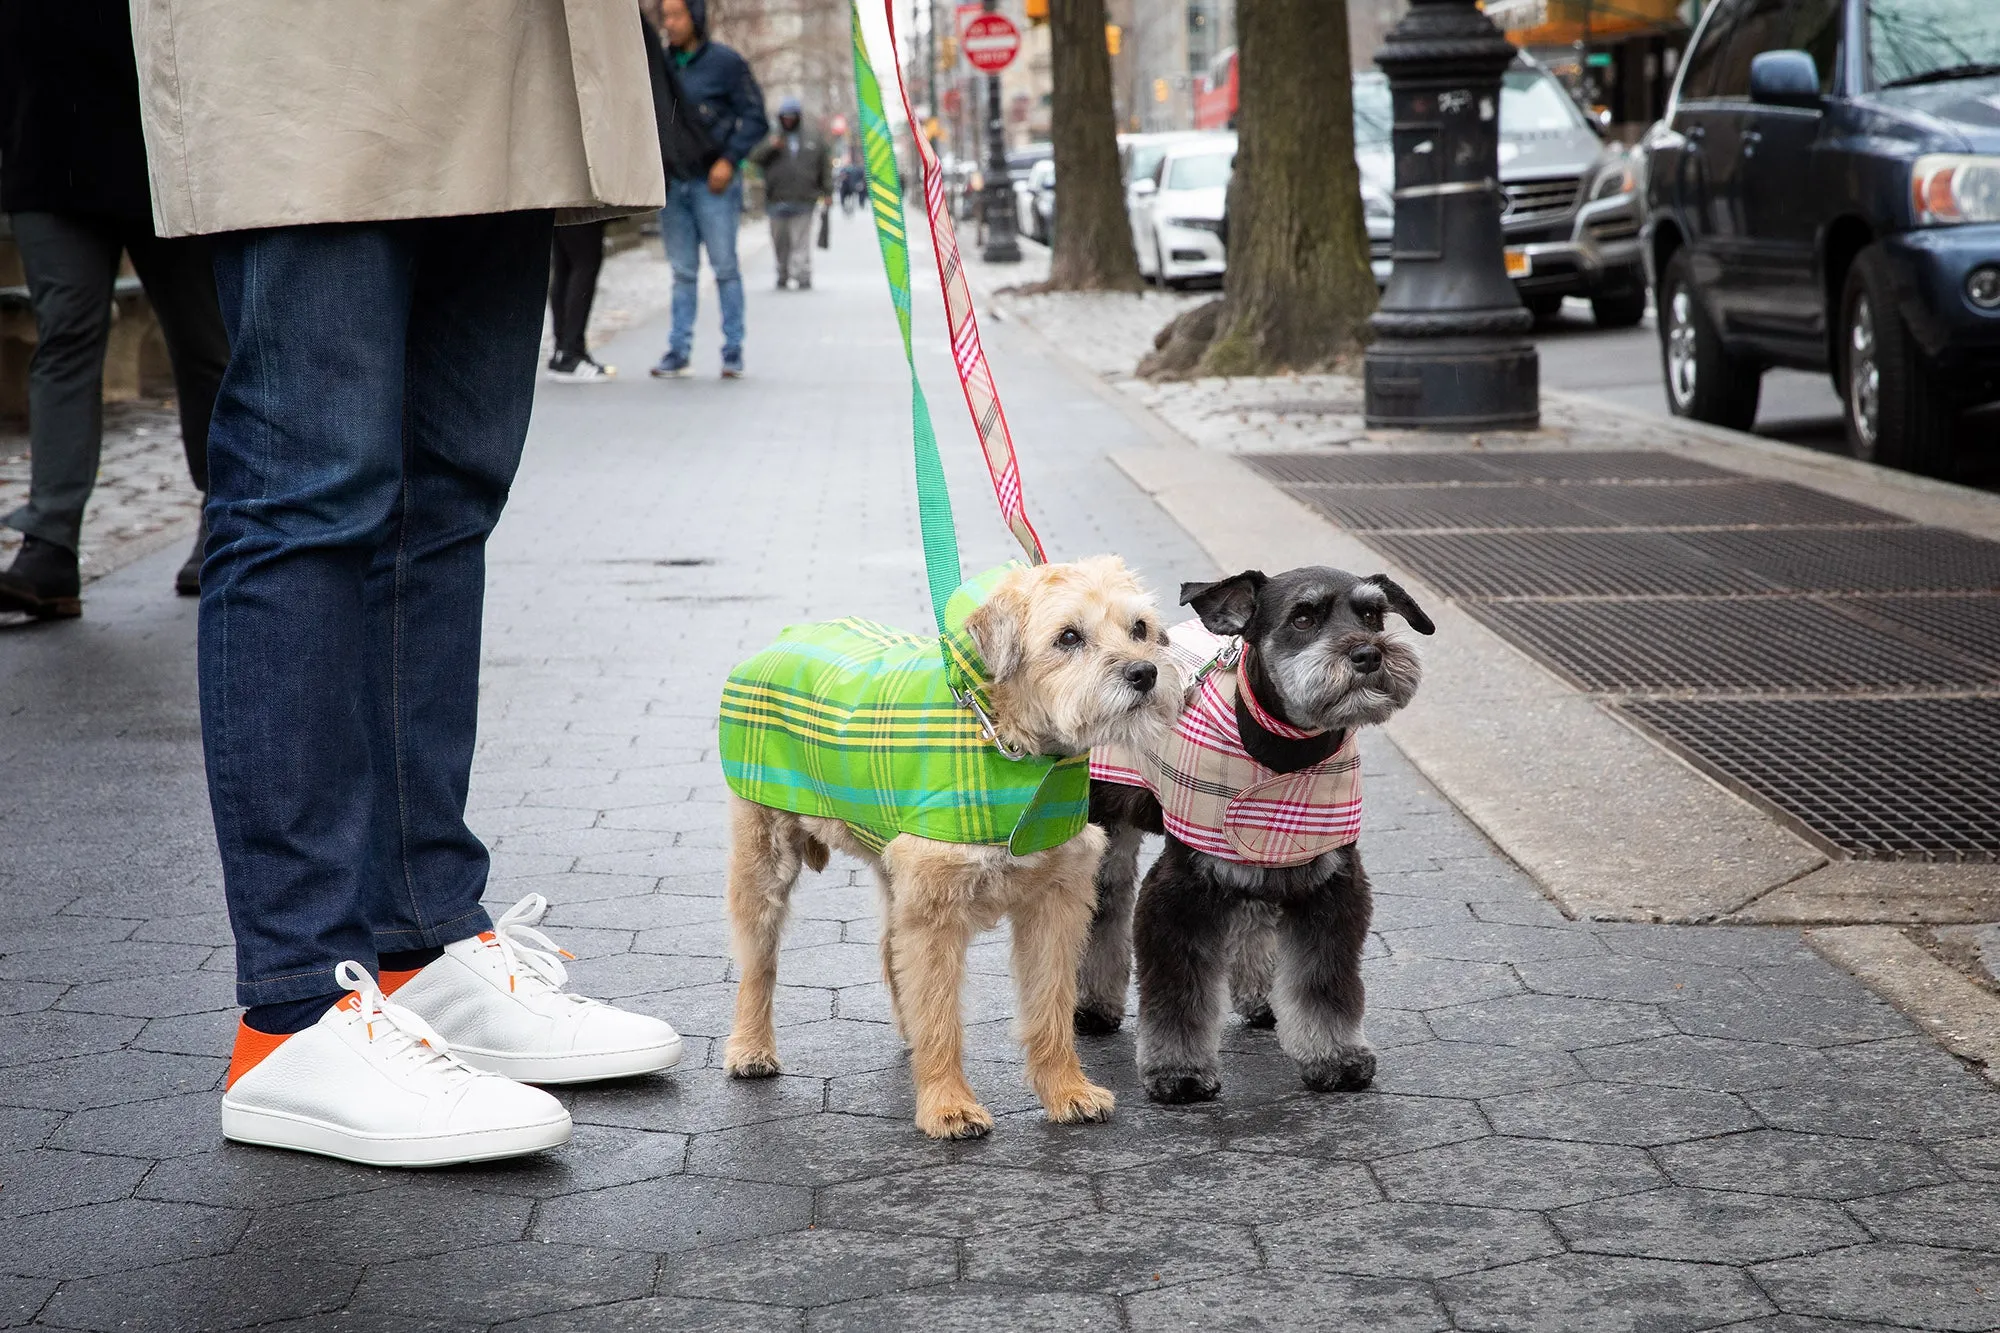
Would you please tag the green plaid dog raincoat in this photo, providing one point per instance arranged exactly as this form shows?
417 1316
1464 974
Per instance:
857 721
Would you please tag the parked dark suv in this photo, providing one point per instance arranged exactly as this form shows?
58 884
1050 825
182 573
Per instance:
1824 193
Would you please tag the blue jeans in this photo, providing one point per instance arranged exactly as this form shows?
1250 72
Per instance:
694 219
363 443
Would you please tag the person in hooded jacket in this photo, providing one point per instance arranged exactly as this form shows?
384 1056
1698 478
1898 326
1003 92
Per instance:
798 180
717 115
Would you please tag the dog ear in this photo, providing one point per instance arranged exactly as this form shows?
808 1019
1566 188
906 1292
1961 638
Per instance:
1403 604
998 628
1225 606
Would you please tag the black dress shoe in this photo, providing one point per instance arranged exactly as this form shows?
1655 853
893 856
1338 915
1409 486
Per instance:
42 581
187 579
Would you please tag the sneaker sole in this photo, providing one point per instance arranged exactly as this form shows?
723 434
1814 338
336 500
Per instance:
277 1129
672 374
589 1067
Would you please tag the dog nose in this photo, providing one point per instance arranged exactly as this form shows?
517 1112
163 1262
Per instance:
1141 675
1366 658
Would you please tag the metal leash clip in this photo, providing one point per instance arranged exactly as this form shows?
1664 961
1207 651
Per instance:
967 699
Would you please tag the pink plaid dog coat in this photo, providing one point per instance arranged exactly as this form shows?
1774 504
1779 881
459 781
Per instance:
1217 799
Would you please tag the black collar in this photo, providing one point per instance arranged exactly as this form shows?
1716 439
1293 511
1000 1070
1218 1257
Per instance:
1280 754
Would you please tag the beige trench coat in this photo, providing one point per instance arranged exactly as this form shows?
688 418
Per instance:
264 113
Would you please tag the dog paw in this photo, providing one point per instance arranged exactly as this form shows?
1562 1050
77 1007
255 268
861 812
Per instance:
969 1120
1095 1022
1176 1087
750 1062
1257 1015
1086 1103
1349 1071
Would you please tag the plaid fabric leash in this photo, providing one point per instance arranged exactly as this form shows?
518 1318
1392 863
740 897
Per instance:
941 563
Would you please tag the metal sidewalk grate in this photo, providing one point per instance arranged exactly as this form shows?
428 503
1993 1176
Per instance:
1876 778
1565 564
1760 503
1608 465
1466 508
1858 560
1713 645
1969 623
1371 469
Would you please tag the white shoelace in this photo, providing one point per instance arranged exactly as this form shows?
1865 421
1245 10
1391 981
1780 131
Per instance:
396 1033
528 953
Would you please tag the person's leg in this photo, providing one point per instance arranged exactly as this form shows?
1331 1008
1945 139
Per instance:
179 276
719 216
586 245
781 248
305 471
475 323
681 239
802 247
561 270
71 265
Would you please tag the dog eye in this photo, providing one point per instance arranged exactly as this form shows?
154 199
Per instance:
1303 619
1372 617
1140 631
1069 638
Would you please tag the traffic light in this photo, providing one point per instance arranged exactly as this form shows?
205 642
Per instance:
1112 34
1038 11
1160 90
947 52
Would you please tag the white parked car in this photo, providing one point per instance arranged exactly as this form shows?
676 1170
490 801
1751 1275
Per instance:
1177 211
1035 203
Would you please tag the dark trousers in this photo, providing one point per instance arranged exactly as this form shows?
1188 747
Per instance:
72 264
365 439
578 255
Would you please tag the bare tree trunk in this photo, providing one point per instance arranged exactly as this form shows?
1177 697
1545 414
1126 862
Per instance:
1299 290
1093 240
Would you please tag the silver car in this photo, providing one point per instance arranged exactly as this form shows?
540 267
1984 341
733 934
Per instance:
1570 210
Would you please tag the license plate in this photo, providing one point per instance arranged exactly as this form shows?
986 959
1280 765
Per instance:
1519 264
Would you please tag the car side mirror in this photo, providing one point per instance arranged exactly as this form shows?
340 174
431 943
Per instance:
1785 78
1144 186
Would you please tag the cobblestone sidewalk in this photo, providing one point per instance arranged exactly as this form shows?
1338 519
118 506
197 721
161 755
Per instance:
1576 1127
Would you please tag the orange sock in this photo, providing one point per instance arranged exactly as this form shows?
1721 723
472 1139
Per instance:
390 980
251 1048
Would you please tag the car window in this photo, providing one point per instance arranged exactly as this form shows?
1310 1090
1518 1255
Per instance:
1815 30
1698 80
1372 114
1145 161
1918 40
1532 102
1759 27
1200 171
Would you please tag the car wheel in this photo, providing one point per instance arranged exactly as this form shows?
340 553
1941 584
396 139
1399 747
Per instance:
1543 305
1703 381
1899 412
1619 312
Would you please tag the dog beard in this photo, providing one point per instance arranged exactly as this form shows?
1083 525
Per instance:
1321 688
1112 712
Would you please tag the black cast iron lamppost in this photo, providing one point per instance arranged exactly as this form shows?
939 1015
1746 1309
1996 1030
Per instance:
1002 246
1451 350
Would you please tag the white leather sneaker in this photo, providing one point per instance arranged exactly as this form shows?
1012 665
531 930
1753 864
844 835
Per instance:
371 1082
499 999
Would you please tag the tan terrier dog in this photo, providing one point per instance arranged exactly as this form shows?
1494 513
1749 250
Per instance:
1059 658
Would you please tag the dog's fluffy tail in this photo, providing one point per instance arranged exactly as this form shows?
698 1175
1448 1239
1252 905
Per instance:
813 852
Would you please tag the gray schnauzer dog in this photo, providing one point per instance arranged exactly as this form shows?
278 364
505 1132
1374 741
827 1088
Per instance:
1259 895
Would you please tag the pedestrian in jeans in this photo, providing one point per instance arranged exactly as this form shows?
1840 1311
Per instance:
382 255
73 177
715 116
798 178
573 269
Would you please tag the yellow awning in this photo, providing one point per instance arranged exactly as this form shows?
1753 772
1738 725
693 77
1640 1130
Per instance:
1559 22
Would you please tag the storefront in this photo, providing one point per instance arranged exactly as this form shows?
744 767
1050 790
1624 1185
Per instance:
1617 56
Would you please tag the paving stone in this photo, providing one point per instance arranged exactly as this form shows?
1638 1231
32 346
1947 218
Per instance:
21 1297
890 1094
819 1267
157 996
839 1046
109 1237
22 1128
1706 1062
383 1225
677 1213
108 1079
1417 982
1395 911
1977 1158
77 964
814 1150
26 997
1553 1022
190 1034
1120 1252
626 974
1769 1161
1622 977
168 1127
1253 1302
1914 1285
1358 1126
1466 1069
1580 1293
1518 912
710 1011
1245 1187
954 1201
710 939
52 1034
690 1101
1862 1105
1136 1134
1722 946
663 1314
1759 1014
1706 1226
260 1178
644 912
499 1282
1792 1323
1517 1173
1618 1113
41 1182
220 1292
1482 941
1964 1216
969 1307
595 1156
1409 1240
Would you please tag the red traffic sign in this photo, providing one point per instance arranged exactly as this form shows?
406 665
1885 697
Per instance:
991 42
